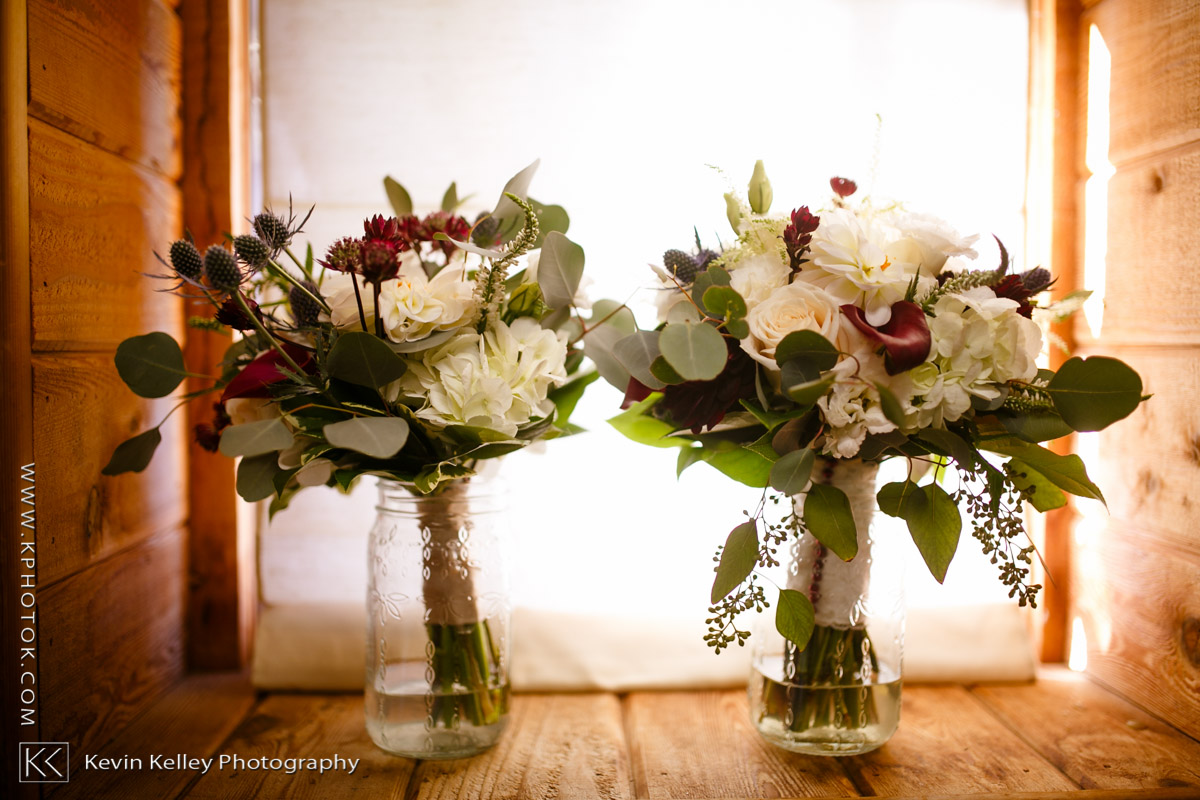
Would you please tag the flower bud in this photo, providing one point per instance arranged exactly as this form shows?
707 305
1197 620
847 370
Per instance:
251 250
185 260
733 211
221 269
760 190
273 231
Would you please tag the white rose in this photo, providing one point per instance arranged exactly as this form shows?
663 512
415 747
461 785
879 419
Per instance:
796 307
251 409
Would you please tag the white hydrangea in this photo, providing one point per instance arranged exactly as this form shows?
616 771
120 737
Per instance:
979 343
497 380
412 305
755 278
851 408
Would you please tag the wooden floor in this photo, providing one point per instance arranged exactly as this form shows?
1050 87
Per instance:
1063 736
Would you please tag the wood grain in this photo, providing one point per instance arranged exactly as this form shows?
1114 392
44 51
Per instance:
306 726
1141 613
1152 297
95 221
948 743
1155 83
16 392
701 744
194 717
221 553
556 746
111 643
1097 739
1148 465
81 412
108 73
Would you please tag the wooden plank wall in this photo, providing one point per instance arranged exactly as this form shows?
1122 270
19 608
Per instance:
1139 573
104 144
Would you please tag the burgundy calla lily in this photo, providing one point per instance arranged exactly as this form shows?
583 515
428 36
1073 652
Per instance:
264 371
905 337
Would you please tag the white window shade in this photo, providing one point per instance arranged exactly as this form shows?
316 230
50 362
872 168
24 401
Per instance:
625 102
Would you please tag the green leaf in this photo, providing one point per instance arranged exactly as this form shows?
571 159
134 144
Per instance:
660 369
713 276
450 199
724 302
1091 394
133 455
255 438
560 268
934 522
737 328
946 443
428 479
401 203
770 419
687 457
361 358
828 517
808 392
256 477
567 396
610 312
1035 427
794 617
738 558
508 215
1039 490
550 219
808 346
635 424
1066 472
378 437
694 349
637 353
893 496
151 365
598 345
891 406
791 473
746 464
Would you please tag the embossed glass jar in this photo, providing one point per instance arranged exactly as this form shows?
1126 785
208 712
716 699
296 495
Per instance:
840 695
437 682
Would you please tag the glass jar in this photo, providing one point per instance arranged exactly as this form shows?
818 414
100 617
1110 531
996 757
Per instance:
438 611
840 695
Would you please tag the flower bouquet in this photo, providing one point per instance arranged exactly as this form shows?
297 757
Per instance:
817 345
413 353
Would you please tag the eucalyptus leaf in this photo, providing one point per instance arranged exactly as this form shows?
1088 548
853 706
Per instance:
1036 427
133 455
551 219
1039 490
508 215
713 276
737 328
948 443
794 617
398 197
1091 394
808 392
828 517
935 525
378 437
637 352
365 360
612 313
560 269
724 302
738 558
467 247
694 349
151 365
664 372
633 423
792 472
892 497
255 438
256 477
598 345
432 340
809 346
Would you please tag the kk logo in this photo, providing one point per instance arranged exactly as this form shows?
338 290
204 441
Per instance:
44 762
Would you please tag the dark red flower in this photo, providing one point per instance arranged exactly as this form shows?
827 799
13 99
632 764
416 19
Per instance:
843 187
208 435
380 260
905 337
345 255
797 236
1022 287
454 227
378 229
702 404
257 377
231 314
